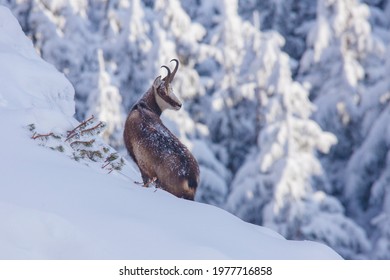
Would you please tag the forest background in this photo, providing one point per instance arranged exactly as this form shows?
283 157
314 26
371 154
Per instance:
286 102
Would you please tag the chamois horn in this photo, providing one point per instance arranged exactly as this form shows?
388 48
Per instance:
167 77
174 70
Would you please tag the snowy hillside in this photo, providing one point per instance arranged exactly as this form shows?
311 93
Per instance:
53 207
285 103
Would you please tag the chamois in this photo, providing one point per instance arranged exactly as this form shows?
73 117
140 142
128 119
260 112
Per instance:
159 154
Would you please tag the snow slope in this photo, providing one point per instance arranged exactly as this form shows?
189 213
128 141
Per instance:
52 207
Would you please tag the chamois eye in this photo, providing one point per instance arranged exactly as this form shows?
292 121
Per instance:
163 91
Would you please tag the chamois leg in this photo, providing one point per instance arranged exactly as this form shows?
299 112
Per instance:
146 181
150 181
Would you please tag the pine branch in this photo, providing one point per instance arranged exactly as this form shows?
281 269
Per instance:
83 143
31 127
84 148
91 154
73 132
112 157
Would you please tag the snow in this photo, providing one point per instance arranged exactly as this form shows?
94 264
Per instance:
52 207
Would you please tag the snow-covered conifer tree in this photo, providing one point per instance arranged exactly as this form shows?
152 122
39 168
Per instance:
341 48
344 66
367 186
282 184
105 103
367 178
129 50
225 61
290 18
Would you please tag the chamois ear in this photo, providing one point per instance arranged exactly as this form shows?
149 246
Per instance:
157 82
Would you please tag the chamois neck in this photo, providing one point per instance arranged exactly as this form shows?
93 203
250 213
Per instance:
150 101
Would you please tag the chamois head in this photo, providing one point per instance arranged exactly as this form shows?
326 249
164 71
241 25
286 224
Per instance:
163 91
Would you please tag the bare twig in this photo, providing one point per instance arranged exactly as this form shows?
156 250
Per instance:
73 133
36 135
92 128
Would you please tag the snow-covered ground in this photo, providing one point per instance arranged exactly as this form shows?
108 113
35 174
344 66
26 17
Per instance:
53 207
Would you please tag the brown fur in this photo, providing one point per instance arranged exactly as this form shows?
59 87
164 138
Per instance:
157 152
